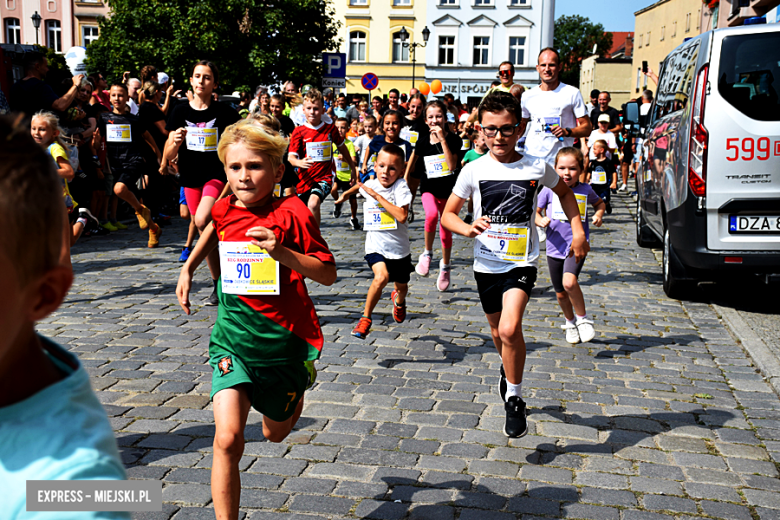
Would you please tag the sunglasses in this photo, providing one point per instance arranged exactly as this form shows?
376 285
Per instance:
504 72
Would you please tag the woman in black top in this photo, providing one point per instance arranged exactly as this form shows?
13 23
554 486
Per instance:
412 124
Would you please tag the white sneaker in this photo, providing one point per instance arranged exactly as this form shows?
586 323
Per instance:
623 187
572 335
542 232
585 329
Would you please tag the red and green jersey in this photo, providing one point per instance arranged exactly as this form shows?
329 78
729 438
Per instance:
268 330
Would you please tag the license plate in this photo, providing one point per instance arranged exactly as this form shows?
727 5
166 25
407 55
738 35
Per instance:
754 224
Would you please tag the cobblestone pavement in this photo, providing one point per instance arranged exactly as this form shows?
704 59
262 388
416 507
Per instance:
661 416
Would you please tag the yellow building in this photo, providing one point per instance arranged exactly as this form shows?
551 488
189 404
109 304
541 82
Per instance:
371 38
612 75
659 29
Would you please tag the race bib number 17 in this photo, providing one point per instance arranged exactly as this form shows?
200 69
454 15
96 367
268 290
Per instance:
202 139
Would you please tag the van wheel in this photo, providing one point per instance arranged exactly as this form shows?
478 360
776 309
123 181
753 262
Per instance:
674 287
644 236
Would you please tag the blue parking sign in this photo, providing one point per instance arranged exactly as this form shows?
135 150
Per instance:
334 65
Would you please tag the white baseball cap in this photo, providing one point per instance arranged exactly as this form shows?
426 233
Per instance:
162 78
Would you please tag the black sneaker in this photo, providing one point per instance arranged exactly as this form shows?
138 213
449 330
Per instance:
609 208
410 217
337 211
212 301
502 385
516 424
355 223
91 220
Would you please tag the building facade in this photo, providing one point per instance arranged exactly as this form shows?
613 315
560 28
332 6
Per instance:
730 13
659 29
470 38
85 20
612 75
55 31
371 38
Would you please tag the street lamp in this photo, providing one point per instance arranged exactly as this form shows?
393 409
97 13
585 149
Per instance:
426 33
36 19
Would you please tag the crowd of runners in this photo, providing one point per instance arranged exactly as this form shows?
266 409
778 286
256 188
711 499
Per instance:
531 167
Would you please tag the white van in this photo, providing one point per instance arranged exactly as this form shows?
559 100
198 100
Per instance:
709 185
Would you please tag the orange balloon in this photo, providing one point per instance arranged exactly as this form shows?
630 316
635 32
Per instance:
436 86
424 88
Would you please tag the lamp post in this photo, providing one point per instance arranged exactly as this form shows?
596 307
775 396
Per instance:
36 20
426 33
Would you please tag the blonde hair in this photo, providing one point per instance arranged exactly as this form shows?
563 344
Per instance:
602 142
267 121
31 204
255 137
150 90
571 152
54 123
314 96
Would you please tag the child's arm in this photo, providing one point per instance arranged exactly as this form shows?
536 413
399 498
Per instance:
588 174
541 219
172 145
206 244
410 166
601 207
348 156
579 246
308 266
150 141
452 222
65 170
399 213
351 191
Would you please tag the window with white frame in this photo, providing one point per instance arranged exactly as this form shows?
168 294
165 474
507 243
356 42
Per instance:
448 2
484 3
402 3
400 52
641 37
89 33
54 35
357 46
481 50
13 31
519 3
358 2
446 50
688 22
517 50
638 78
647 42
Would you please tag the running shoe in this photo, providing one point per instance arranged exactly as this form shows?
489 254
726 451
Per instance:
337 211
443 282
516 424
609 208
85 213
469 218
399 311
423 264
185 254
92 230
144 217
154 235
502 384
572 334
410 217
212 301
312 373
119 225
585 329
362 329
623 187
355 223
108 226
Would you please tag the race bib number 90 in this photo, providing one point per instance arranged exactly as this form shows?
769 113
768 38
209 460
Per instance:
247 269
509 245
119 134
319 151
202 139
376 218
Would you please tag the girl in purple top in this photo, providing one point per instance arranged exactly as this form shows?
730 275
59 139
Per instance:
564 270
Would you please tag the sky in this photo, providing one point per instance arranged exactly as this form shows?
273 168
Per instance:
614 15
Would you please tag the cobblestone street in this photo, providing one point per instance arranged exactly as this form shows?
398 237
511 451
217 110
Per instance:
662 416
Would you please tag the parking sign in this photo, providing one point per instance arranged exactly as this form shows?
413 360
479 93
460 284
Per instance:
334 65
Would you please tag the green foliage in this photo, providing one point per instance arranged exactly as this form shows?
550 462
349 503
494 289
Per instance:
251 41
574 38
58 70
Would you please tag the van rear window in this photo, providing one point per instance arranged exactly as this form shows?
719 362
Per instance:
750 74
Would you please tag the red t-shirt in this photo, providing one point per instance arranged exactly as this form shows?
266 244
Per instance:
279 328
320 171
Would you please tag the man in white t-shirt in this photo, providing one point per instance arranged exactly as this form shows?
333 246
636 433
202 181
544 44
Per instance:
555 111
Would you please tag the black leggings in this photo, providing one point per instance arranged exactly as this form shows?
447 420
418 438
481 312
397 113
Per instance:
559 266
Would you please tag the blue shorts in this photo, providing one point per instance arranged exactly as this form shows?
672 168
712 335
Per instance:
182 198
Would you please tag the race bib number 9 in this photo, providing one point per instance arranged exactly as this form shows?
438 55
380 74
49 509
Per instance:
202 139
247 269
436 166
557 209
319 151
119 134
509 245
376 218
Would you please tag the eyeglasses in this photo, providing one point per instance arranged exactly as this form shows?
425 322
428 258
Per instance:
504 72
506 130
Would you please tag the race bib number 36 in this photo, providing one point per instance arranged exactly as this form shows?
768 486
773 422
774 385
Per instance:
118 134
202 139
436 166
376 218
319 151
247 269
509 245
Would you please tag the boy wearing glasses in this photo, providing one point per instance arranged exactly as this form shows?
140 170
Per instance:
504 185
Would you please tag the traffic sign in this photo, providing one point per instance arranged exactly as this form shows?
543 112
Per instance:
369 81
334 65
334 82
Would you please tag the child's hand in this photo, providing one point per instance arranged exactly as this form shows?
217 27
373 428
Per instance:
579 248
613 186
479 226
597 220
437 135
543 222
179 136
265 239
308 162
183 289
368 190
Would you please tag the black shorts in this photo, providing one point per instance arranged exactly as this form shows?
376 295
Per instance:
628 157
320 189
559 266
343 186
290 177
399 269
492 286
129 174
659 153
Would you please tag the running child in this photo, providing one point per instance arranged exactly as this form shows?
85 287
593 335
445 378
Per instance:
564 269
504 185
362 142
388 253
480 149
267 334
602 173
343 180
391 127
125 138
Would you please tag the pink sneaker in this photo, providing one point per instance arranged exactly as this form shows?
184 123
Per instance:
423 265
443 283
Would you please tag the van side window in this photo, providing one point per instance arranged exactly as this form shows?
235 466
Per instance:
749 74
676 80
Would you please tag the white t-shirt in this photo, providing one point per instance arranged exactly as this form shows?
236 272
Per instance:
596 135
507 194
361 145
392 243
545 109
133 106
